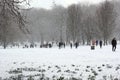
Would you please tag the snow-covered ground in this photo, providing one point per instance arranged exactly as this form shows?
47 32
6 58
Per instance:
81 63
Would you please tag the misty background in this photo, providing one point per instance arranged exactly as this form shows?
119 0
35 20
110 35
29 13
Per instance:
77 22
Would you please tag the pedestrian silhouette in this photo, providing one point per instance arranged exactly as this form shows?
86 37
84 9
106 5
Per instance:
114 43
100 43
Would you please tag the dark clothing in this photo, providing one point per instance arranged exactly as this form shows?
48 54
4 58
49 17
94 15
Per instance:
114 43
61 44
113 47
71 45
96 42
100 43
76 44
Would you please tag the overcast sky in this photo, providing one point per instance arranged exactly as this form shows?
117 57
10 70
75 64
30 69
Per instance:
48 3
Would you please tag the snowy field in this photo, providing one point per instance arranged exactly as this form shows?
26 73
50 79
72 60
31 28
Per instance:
60 64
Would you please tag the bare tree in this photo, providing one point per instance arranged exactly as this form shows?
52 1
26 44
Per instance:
73 22
10 12
60 20
106 16
89 28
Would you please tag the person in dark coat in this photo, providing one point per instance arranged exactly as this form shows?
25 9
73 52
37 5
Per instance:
96 42
100 43
71 45
114 43
76 44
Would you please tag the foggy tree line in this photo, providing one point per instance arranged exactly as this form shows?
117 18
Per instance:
77 23
97 26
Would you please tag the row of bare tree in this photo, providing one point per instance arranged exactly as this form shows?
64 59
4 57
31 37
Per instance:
87 27
77 22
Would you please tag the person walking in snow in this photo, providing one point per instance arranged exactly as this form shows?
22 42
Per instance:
93 44
100 43
76 44
71 44
96 42
114 43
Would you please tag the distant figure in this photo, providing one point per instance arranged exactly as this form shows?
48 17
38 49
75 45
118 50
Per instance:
71 45
100 43
61 44
64 44
50 45
114 43
93 44
76 44
96 42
